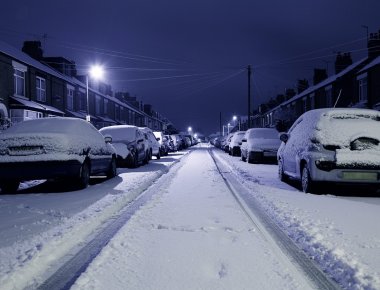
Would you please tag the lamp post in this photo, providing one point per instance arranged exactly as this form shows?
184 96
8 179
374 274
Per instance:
189 130
95 72
235 119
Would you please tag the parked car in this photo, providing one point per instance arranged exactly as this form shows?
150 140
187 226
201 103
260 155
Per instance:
177 142
260 145
332 145
234 146
163 141
54 148
153 142
172 147
129 143
226 144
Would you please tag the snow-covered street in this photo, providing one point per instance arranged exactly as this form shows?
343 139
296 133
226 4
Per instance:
191 233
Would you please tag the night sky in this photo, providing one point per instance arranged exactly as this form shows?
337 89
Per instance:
188 58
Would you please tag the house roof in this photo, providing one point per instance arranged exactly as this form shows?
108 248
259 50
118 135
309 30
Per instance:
376 61
322 84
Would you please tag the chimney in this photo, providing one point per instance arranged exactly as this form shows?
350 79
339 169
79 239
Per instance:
319 75
342 61
302 85
33 49
374 45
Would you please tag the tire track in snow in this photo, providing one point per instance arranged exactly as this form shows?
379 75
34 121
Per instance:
69 272
272 233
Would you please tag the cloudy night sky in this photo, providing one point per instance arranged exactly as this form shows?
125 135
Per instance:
188 58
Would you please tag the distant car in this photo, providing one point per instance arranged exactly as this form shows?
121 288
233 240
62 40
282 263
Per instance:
332 145
163 141
153 142
226 144
54 148
234 146
129 143
177 142
260 145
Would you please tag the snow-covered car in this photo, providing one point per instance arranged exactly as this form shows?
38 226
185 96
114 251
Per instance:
153 142
54 148
129 143
177 142
260 145
332 145
234 146
163 141
226 144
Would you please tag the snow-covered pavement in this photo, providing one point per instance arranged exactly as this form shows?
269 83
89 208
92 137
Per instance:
192 235
192 227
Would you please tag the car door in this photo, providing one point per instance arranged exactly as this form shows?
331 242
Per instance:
291 148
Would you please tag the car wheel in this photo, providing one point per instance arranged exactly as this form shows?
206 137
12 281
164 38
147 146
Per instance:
281 175
249 159
112 171
147 157
9 186
84 176
306 182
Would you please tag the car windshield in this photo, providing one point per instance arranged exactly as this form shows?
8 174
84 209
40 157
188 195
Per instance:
120 133
342 128
264 134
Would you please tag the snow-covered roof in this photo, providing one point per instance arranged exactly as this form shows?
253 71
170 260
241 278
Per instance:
20 56
321 84
376 61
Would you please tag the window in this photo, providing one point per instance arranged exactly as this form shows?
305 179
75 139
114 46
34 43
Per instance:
117 112
105 106
82 100
41 89
19 83
32 115
70 98
98 105
19 78
363 90
328 96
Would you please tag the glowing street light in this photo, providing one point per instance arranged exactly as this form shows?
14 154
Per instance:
189 130
96 72
235 119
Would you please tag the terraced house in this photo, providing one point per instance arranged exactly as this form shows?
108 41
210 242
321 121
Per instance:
354 84
33 86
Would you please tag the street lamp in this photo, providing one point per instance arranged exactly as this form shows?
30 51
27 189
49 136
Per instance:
235 119
228 128
189 130
95 72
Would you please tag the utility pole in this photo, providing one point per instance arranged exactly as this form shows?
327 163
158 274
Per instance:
249 96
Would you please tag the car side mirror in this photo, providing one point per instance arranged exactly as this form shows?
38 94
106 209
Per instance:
240 143
244 140
158 139
108 139
284 137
